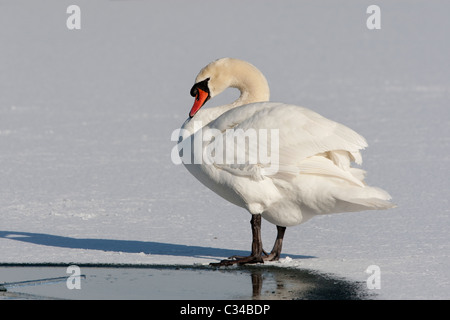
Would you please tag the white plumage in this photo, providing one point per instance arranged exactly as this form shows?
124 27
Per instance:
314 154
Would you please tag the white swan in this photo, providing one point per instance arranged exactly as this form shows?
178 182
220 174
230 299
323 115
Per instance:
313 156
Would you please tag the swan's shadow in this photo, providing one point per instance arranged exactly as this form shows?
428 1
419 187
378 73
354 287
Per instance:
128 246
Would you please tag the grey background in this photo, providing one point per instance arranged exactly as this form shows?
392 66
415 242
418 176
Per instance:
86 118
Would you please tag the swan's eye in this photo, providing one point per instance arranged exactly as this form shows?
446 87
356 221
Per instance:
202 85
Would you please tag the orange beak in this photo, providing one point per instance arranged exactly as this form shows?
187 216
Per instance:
200 99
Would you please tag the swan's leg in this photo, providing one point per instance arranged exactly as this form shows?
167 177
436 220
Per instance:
257 250
276 250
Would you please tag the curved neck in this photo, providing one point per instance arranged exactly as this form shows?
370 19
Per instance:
234 73
250 82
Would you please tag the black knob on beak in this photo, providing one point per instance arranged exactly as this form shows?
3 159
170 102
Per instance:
203 85
194 91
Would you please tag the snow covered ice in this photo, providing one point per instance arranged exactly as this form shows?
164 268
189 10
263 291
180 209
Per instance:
86 118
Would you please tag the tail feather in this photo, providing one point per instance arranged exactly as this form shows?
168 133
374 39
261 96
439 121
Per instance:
366 198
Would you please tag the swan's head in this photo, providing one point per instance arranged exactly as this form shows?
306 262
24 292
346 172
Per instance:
228 72
202 93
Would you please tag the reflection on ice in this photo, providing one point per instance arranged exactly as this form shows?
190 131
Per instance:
177 283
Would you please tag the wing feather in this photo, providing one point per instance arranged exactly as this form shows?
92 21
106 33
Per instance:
301 134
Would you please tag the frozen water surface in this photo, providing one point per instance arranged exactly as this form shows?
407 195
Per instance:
86 118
